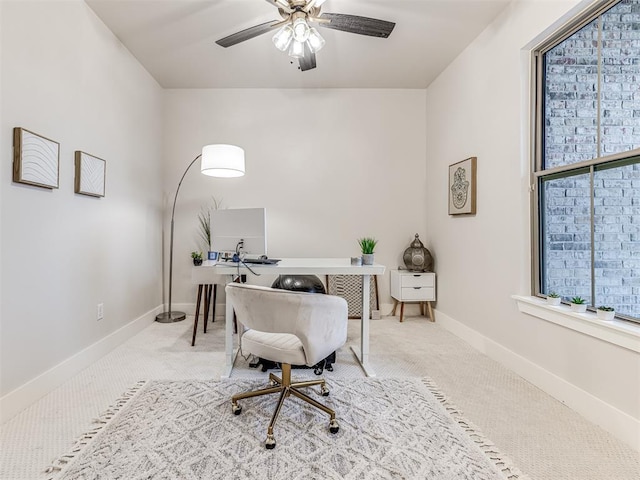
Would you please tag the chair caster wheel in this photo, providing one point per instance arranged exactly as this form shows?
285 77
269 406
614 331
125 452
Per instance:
329 368
324 390
236 409
317 371
333 426
273 383
270 442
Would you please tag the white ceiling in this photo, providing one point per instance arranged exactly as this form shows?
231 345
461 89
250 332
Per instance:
175 41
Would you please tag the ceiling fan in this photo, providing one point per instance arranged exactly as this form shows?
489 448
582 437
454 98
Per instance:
300 38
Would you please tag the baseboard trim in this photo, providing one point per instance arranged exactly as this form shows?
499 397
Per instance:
618 423
22 397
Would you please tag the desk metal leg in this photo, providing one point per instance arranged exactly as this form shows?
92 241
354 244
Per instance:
362 353
229 354
228 340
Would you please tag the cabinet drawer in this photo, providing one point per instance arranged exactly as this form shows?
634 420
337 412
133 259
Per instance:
424 294
417 280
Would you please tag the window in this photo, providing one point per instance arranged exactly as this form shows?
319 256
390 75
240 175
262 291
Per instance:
587 160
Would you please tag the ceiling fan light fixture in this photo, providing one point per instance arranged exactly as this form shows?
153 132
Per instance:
283 37
295 33
316 42
297 49
300 30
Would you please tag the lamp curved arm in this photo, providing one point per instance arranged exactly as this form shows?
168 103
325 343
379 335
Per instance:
173 211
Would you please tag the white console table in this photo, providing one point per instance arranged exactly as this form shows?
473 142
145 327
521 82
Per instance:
294 266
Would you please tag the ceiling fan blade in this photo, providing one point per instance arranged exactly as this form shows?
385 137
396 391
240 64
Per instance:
248 33
283 4
355 24
309 60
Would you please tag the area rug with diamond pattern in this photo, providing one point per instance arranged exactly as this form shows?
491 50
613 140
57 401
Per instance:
389 429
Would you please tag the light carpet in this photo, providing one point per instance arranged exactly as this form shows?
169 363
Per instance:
389 429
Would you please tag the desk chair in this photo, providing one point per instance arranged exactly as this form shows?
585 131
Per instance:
290 328
298 283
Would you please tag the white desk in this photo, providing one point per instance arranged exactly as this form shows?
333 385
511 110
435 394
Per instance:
295 266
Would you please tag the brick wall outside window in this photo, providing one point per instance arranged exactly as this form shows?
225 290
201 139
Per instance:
576 84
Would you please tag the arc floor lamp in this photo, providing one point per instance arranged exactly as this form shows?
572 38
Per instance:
215 161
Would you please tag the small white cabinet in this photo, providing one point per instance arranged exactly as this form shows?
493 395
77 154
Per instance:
409 286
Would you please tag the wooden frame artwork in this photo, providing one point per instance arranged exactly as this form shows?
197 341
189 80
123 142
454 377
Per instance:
462 187
36 159
90 174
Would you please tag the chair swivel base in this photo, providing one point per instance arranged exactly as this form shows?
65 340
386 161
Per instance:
285 388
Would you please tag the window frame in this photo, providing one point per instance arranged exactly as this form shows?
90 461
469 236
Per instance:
538 173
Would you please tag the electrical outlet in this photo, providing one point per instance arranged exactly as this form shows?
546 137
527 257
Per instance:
100 311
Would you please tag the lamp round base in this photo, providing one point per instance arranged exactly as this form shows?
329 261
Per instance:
171 317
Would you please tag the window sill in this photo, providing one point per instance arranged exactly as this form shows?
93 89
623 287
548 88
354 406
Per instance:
618 332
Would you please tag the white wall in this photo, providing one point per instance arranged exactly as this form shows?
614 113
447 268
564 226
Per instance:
479 107
3 148
66 76
330 166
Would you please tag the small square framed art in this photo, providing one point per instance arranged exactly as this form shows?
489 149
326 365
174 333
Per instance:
90 175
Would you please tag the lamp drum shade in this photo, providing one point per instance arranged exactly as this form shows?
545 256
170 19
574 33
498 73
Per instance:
222 161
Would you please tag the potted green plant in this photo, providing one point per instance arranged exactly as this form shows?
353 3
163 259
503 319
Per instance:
367 246
553 299
606 313
197 258
204 226
578 304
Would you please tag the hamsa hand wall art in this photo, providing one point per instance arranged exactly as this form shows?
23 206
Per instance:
462 187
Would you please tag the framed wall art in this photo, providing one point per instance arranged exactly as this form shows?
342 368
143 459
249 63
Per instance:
36 159
90 174
462 187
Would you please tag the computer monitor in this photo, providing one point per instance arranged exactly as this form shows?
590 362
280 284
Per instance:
231 226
